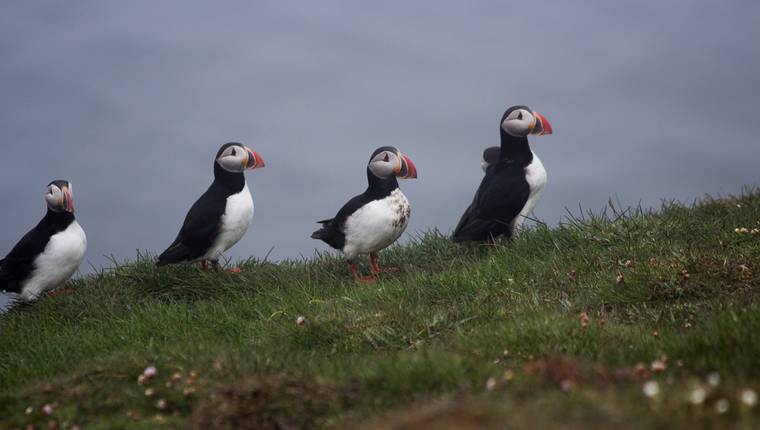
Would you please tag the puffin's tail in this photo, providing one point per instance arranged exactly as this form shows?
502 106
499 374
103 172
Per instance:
320 234
176 253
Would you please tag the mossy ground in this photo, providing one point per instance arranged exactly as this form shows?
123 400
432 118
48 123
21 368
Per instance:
545 331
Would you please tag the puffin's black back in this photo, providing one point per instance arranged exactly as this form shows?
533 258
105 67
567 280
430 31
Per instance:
502 193
332 231
18 265
203 222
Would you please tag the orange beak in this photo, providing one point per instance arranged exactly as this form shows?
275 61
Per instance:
68 201
408 169
253 160
542 126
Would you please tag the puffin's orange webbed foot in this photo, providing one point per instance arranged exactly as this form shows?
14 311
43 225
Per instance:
358 278
376 269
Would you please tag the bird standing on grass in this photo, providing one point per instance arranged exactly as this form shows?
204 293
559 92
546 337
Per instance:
50 253
221 216
374 219
513 183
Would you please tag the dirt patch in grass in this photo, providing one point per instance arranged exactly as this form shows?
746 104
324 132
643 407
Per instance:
461 413
272 402
498 411
568 373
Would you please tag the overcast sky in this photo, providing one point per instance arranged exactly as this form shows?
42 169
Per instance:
130 101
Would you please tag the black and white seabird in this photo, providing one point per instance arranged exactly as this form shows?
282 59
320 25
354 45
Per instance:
48 254
374 219
513 183
221 216
490 156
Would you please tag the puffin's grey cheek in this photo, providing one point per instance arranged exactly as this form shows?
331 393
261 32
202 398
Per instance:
230 164
517 128
54 200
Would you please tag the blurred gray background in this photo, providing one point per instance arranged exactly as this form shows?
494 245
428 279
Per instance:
649 100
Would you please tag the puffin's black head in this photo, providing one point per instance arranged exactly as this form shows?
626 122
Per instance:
388 161
520 121
59 197
236 158
490 156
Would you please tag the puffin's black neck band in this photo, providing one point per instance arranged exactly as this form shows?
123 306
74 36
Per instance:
380 187
60 220
234 181
515 149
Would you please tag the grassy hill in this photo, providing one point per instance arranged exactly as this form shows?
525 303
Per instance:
627 320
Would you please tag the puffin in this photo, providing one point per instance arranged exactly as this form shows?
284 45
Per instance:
513 183
48 254
374 219
490 156
221 216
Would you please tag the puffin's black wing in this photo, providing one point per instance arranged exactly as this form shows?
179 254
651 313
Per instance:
332 229
501 196
199 230
16 267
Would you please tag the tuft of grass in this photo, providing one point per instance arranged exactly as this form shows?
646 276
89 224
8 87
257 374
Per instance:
559 328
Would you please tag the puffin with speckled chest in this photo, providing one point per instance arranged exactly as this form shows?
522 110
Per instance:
50 253
513 183
221 216
374 219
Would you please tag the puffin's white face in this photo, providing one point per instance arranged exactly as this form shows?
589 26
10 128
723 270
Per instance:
238 158
391 162
522 122
59 197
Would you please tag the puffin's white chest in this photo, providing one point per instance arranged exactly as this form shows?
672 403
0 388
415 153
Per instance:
60 259
535 174
377 224
234 223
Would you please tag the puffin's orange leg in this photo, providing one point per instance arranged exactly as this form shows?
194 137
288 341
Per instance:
358 276
58 291
376 269
204 265
217 267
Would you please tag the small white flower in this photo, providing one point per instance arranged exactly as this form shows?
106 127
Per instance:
651 389
301 320
721 406
47 409
658 366
749 397
150 371
713 379
491 384
697 396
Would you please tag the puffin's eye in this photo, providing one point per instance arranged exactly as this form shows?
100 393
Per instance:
519 115
386 158
233 153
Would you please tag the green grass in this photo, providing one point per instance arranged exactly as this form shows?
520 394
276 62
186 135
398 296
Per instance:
463 337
